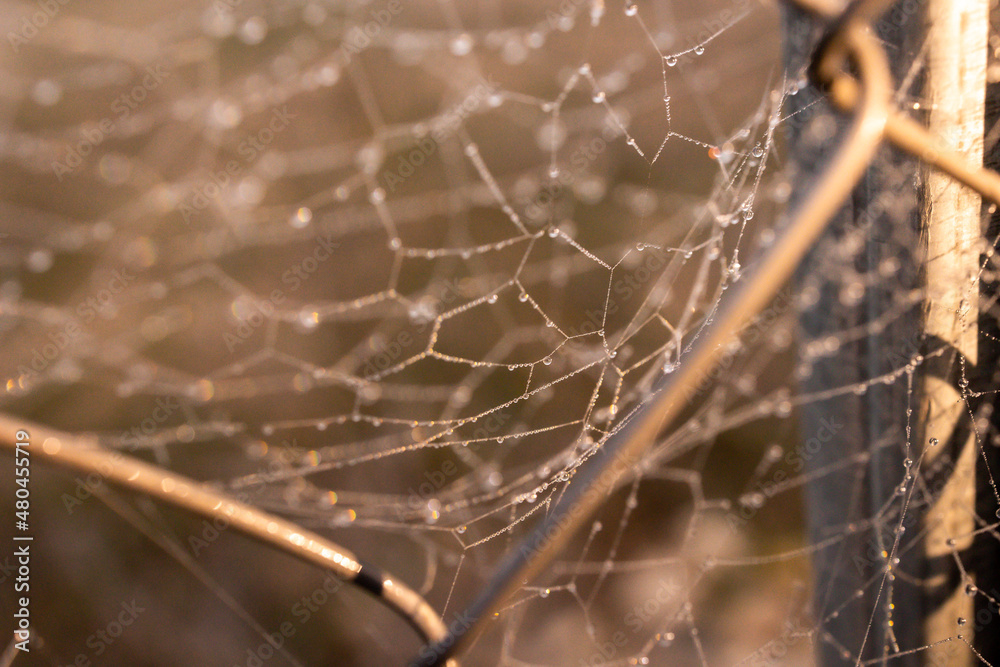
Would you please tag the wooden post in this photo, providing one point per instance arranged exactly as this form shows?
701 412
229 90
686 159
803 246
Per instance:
955 89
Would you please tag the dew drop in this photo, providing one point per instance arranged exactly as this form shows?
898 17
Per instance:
671 61
598 97
461 45
301 218
699 50
631 9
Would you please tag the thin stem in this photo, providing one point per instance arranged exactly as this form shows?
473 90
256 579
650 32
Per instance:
85 455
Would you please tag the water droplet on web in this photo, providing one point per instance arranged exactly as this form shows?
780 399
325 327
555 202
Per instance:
40 261
960 620
553 232
461 45
253 31
308 318
598 97
492 298
757 151
971 590
550 136
671 61
553 171
544 593
46 92
461 530
370 157
933 442
547 361
301 218
698 50
631 9
907 463
522 297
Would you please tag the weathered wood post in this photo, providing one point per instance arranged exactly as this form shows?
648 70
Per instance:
955 90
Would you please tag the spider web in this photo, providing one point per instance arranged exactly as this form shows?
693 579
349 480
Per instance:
396 270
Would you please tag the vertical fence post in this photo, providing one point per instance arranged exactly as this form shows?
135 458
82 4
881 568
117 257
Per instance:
853 615
955 89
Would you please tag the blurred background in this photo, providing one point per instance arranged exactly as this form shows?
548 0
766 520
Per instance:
391 270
